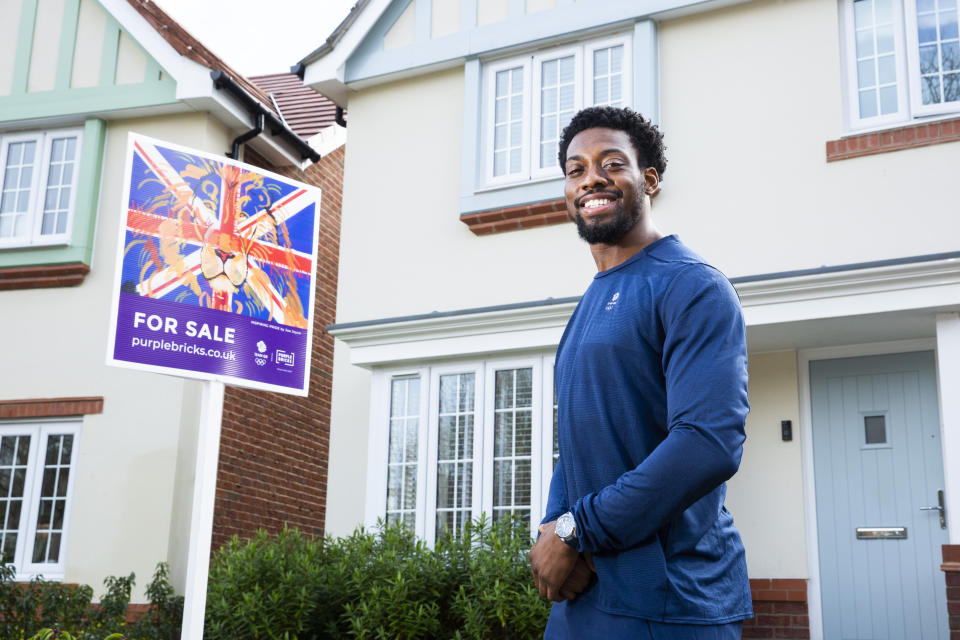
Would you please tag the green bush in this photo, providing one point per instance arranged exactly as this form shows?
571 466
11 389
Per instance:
376 585
44 609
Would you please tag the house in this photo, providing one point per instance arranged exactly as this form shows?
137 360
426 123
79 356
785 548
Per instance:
97 463
812 149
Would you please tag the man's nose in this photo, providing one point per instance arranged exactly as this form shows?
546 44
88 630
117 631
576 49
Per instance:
594 176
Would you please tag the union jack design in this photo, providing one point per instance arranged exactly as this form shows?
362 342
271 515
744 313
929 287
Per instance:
218 234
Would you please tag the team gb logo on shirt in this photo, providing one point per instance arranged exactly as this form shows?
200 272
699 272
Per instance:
613 301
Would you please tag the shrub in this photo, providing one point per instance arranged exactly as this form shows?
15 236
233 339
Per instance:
377 585
41 609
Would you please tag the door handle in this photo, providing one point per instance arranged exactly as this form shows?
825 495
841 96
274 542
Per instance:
940 508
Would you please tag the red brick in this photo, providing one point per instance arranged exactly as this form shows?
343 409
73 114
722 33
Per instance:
789 583
762 607
756 632
259 486
951 552
792 633
953 579
790 607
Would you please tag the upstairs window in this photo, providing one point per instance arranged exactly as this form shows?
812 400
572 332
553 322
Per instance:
37 464
38 186
903 60
528 100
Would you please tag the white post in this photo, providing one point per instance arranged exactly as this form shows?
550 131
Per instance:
201 520
948 377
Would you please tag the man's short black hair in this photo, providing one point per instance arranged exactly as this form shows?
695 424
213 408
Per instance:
646 138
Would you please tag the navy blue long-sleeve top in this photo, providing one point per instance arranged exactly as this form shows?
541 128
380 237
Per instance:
651 379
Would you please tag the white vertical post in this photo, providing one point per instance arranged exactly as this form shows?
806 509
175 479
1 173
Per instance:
948 378
201 520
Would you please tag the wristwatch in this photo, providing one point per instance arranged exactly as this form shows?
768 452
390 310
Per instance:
566 529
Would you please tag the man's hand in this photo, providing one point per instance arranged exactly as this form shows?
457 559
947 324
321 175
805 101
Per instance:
552 562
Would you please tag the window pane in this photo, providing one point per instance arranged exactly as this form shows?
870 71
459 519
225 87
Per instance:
513 418
888 100
403 450
866 75
868 103
950 53
951 87
928 59
927 27
948 25
885 38
865 43
931 89
455 452
507 121
863 12
875 429
887 69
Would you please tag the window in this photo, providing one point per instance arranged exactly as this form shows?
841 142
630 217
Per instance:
903 60
464 439
530 99
37 462
38 186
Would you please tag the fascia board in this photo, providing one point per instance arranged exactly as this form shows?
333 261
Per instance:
326 74
933 285
921 285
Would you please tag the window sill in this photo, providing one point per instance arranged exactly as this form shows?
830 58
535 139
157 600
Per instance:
526 216
893 139
42 277
50 407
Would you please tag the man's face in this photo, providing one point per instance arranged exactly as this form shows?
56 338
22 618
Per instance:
604 185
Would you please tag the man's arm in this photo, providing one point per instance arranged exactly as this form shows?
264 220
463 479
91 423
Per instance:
705 371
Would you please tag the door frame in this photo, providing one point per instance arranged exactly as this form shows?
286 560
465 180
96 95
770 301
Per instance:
804 357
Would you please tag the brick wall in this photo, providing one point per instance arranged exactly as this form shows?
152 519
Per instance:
951 567
779 609
274 447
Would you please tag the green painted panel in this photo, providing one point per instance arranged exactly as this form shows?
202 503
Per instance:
88 187
68 41
111 47
43 256
28 16
83 101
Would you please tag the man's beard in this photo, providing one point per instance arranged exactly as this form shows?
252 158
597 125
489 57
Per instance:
609 232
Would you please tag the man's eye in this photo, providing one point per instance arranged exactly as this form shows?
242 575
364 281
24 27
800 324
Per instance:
574 171
613 165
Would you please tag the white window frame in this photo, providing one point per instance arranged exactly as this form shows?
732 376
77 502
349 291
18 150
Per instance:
489 100
627 59
492 367
913 57
39 431
910 107
536 89
482 491
38 186
583 96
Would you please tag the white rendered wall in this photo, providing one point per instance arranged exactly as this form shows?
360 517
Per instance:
766 495
124 493
402 180
749 97
349 438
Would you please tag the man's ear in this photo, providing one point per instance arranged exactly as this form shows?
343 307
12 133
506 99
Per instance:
651 182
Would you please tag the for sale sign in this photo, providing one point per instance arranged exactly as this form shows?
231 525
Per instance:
215 269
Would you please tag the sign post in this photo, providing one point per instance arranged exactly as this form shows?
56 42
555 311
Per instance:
214 280
201 520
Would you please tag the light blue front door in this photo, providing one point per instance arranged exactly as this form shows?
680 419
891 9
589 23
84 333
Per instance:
877 462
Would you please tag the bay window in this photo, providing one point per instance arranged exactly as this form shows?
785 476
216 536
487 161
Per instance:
454 440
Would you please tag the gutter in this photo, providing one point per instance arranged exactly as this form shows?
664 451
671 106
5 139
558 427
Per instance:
262 115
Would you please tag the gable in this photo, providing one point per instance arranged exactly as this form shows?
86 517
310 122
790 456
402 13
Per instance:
72 57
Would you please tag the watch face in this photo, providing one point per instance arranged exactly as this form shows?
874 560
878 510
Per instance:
565 525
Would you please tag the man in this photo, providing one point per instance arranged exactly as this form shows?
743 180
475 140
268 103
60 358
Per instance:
651 380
